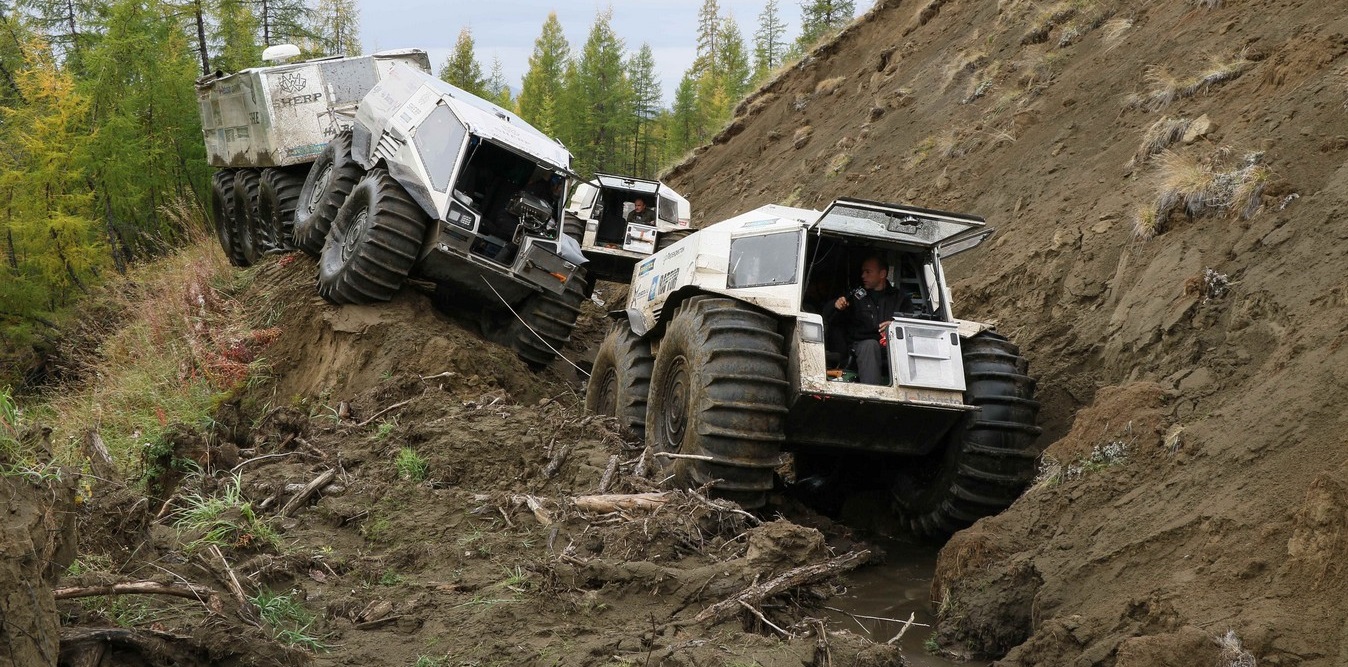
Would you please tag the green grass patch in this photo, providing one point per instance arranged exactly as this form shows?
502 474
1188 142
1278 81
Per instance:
411 466
288 620
226 520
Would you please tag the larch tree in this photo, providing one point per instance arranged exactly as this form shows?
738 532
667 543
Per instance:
236 44
646 105
685 121
283 22
822 18
66 26
13 34
146 152
335 28
602 85
54 247
541 90
461 67
769 41
734 60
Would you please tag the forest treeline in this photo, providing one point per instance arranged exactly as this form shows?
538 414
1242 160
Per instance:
101 153
605 102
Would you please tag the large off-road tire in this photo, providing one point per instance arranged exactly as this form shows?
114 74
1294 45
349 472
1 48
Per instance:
279 192
246 227
222 214
372 244
550 319
573 227
620 381
719 390
326 188
665 239
988 458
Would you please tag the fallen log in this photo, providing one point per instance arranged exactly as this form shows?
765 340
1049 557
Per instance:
202 594
792 578
623 501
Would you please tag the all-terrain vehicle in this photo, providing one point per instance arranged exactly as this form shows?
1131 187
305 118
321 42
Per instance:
722 360
264 126
434 181
597 217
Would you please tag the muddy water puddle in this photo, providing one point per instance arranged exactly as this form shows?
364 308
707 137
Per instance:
899 587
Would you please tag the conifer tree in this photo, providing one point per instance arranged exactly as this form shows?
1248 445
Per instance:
645 110
708 37
497 88
336 28
283 21
66 26
734 61
602 84
461 67
821 18
685 120
236 35
541 92
54 248
769 41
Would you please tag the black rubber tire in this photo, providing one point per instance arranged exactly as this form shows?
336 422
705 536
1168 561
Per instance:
719 389
665 239
246 229
573 227
373 243
620 381
989 458
279 191
553 317
325 189
222 214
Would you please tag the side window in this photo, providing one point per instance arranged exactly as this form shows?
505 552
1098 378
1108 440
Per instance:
438 140
762 261
668 210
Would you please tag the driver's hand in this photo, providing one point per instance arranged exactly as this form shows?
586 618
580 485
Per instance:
841 303
883 327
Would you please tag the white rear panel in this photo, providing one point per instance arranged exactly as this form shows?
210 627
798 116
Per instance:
926 354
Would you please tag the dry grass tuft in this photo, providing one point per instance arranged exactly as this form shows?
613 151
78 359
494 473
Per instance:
1200 188
965 64
1164 87
829 86
1206 4
1160 136
1114 31
1233 654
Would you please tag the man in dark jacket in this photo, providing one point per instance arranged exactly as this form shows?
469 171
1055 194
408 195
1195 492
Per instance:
864 315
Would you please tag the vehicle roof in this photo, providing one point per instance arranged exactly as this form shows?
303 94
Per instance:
769 218
490 121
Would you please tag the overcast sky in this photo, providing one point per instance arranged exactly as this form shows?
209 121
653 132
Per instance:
507 28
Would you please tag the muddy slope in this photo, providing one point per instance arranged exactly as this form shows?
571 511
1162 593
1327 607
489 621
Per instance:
444 521
1203 367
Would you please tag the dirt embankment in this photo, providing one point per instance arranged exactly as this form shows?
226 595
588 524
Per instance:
1168 181
397 491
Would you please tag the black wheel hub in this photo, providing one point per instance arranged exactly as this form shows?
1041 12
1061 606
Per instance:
360 225
674 411
319 187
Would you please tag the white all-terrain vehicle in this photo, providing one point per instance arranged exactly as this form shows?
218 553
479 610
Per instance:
434 181
265 126
597 218
722 358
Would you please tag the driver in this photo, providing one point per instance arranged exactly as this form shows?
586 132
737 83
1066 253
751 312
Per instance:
864 315
640 213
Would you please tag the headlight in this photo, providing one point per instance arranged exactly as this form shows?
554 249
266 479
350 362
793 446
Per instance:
461 215
811 332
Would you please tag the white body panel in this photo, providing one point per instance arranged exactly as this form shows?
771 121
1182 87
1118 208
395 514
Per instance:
285 114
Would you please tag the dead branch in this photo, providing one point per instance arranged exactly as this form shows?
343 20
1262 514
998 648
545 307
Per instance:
196 592
723 506
264 457
299 499
381 413
618 502
790 579
690 457
231 579
536 506
911 617
557 460
765 620
607 478
640 469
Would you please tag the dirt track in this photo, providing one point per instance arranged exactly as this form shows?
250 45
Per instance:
1227 395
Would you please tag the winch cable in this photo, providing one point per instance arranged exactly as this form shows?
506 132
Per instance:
531 329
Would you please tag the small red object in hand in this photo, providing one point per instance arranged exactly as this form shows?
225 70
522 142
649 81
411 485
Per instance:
884 339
